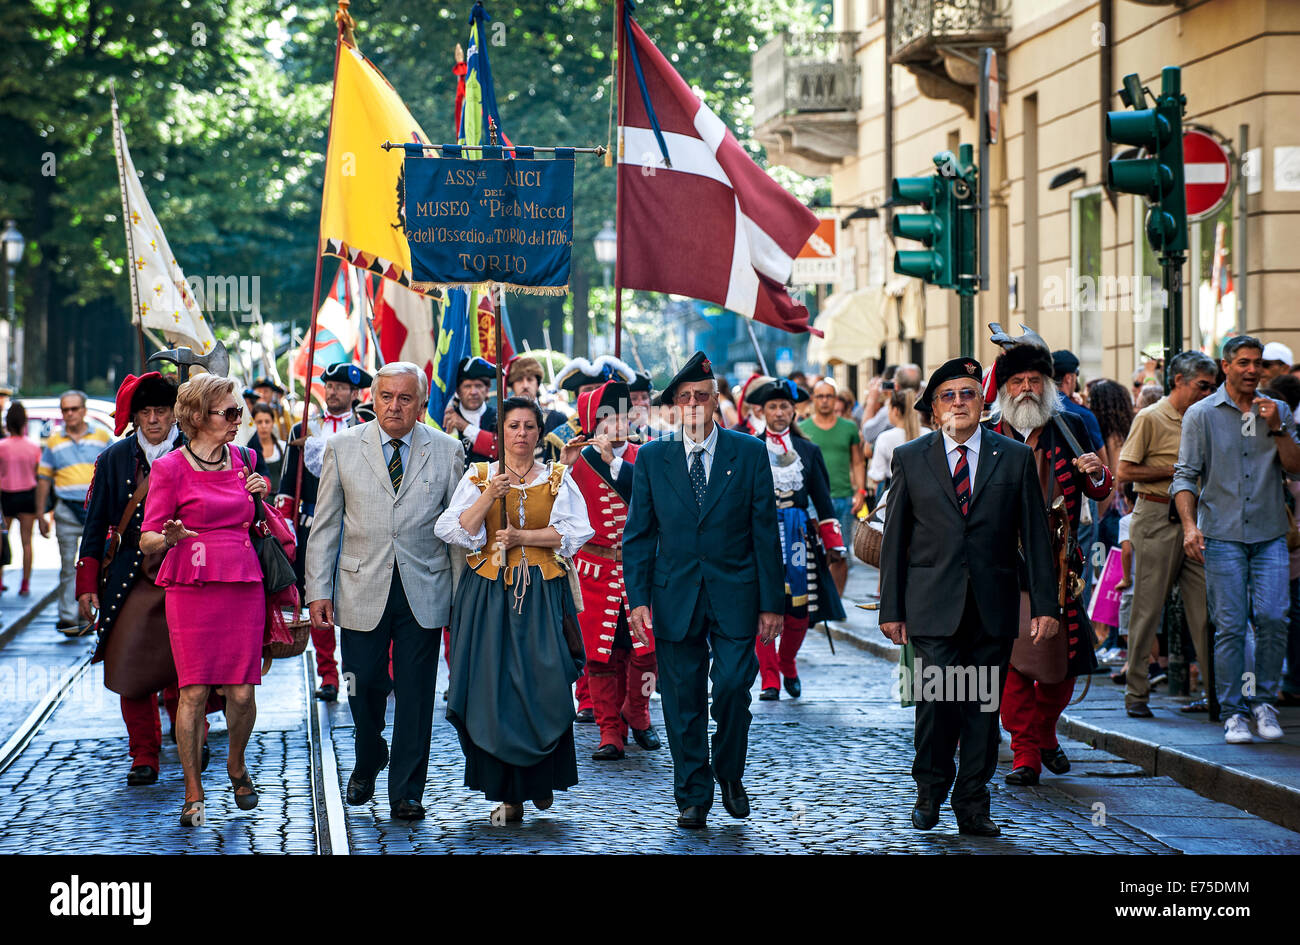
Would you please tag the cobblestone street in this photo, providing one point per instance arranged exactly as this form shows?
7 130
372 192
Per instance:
827 773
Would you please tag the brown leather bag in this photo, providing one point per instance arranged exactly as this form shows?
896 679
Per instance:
137 651
1045 662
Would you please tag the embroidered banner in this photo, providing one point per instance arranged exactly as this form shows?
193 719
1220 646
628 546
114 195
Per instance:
503 221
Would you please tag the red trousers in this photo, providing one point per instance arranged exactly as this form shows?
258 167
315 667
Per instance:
1029 712
582 690
143 728
327 667
777 658
620 693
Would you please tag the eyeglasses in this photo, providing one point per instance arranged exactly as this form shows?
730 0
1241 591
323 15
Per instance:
1205 386
965 395
232 414
684 397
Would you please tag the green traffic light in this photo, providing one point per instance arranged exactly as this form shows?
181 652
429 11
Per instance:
909 190
923 227
924 264
1144 176
1145 128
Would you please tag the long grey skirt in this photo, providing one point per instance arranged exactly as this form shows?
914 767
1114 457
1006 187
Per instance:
509 697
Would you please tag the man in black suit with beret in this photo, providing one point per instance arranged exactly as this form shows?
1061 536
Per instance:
701 549
962 503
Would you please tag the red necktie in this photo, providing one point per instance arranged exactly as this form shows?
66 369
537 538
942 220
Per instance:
961 480
780 438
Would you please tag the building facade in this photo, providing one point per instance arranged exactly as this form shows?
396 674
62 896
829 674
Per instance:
1066 256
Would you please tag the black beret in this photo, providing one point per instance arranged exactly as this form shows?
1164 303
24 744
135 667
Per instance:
779 389
345 372
1020 358
475 369
1064 362
697 368
948 371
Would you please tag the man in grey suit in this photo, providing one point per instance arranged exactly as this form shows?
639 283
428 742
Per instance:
375 568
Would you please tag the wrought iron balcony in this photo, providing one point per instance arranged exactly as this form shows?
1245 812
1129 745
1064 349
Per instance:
937 40
807 91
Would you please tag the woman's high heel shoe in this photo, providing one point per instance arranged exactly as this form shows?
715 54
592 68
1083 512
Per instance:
192 814
244 801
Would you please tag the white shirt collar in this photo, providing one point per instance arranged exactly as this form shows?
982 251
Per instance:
152 452
972 445
709 444
473 416
620 450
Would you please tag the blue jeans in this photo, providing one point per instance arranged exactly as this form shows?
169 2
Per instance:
843 513
1247 582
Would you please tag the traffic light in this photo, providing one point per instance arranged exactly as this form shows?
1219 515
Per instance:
936 229
1157 176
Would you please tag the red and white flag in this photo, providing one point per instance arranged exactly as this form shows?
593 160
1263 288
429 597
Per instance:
708 222
404 322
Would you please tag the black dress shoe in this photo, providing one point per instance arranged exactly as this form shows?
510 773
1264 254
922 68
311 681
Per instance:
1055 760
586 715
647 738
734 798
1022 776
361 788
141 775
205 755
769 695
1139 710
409 810
693 818
924 816
792 686
979 825
328 693
607 752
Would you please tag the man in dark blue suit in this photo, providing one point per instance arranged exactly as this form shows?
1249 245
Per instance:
701 550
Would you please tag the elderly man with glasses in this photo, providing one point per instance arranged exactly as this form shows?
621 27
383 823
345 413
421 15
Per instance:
702 551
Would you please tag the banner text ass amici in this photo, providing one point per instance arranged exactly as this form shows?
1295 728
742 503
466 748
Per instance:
507 221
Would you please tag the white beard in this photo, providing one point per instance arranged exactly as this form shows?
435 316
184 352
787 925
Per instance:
1028 412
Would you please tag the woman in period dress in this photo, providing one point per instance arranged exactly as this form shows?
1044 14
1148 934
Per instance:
199 510
510 696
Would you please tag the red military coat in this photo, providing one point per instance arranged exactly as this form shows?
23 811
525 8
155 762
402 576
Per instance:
604 595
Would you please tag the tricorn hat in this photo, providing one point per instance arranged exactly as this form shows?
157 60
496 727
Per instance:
579 372
475 369
779 388
345 372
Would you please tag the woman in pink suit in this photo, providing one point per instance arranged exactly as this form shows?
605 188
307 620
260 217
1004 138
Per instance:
199 510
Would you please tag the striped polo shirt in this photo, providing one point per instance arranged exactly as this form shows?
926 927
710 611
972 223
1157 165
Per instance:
70 464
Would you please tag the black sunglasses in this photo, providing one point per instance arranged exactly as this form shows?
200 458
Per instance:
232 414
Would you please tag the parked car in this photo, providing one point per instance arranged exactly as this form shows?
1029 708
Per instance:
43 416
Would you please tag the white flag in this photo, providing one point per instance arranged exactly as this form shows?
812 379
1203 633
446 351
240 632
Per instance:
162 298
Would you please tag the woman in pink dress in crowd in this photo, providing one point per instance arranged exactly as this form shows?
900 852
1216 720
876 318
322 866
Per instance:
19 458
199 510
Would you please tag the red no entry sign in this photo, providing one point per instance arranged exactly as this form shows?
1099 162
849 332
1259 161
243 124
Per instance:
1207 169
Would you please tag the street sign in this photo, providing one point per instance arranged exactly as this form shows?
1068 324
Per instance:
1207 169
818 261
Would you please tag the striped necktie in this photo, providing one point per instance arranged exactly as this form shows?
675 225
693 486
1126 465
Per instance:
395 464
961 480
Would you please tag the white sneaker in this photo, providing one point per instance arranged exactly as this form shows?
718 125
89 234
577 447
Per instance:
1266 722
1236 731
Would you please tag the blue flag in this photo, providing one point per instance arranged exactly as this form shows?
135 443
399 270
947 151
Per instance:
455 339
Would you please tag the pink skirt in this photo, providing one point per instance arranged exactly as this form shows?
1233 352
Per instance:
216 632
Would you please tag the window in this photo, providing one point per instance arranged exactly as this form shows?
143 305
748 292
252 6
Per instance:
1213 302
1148 294
1087 301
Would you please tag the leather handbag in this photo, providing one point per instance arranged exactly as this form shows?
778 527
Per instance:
1045 662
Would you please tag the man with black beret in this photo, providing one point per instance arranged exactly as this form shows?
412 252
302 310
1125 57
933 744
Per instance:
469 417
344 383
962 502
701 549
800 477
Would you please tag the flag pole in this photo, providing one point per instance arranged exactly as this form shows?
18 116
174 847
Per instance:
137 315
620 15
345 27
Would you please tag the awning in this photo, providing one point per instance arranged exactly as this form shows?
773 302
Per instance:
853 325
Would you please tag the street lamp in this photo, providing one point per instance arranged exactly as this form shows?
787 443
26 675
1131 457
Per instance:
14 245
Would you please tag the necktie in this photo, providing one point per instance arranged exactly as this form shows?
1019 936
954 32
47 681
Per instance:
961 480
395 464
698 481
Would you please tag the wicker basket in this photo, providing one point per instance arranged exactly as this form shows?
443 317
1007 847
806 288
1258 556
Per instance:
866 543
301 629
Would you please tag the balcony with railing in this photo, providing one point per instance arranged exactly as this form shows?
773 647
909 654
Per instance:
807 91
939 42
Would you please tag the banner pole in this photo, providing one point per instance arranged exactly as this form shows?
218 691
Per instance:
618 188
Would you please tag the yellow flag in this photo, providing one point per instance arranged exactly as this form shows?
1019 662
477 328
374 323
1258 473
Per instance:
360 216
